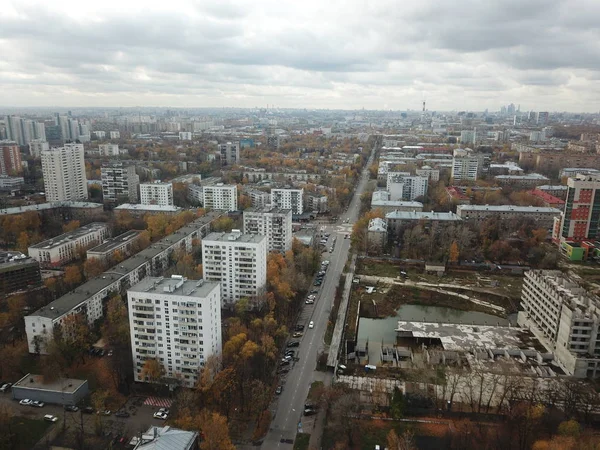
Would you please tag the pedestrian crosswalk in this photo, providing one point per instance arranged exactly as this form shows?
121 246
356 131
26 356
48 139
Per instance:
158 402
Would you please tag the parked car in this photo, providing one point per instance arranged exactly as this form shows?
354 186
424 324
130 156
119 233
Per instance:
311 324
314 291
279 390
106 412
289 352
312 297
5 387
309 302
50 418
25 402
297 334
88 410
122 414
71 408
299 327
310 412
160 415
37 404
284 362
293 344
282 370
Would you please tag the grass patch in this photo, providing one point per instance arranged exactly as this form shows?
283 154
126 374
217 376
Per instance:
28 431
316 388
377 268
301 442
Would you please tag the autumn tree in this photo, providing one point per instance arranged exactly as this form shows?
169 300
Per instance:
152 370
215 432
71 226
92 267
73 275
403 442
115 330
454 252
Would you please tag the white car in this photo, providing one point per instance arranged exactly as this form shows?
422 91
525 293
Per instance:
311 324
310 301
325 262
50 418
25 402
37 404
311 297
160 415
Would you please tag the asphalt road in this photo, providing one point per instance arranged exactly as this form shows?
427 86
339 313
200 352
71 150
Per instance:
289 409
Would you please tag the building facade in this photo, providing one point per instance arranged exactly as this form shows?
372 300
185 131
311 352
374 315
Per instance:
10 158
581 216
239 262
156 193
220 196
318 203
123 243
63 169
108 149
543 216
119 182
230 153
259 198
176 322
66 247
565 318
275 224
18 272
466 165
406 187
37 146
288 199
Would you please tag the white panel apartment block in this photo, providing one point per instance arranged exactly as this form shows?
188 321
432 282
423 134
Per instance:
177 322
220 196
275 224
288 199
63 169
156 193
238 261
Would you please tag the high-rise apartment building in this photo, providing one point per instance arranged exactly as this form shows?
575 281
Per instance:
176 322
108 149
230 153
156 193
288 199
405 187
275 224
466 165
565 318
220 196
581 217
239 262
63 169
37 146
23 131
119 182
10 158
259 198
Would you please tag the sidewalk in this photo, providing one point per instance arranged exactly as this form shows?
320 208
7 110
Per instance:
317 430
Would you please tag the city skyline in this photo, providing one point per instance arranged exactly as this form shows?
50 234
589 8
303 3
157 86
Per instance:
467 55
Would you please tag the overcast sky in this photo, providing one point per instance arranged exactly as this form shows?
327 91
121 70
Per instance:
376 54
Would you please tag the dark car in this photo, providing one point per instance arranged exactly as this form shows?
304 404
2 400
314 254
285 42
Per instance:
122 414
284 363
293 344
71 408
310 412
279 390
283 370
289 353
299 327
88 410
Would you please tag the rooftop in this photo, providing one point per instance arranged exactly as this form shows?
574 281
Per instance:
377 224
153 208
555 187
166 438
79 295
115 242
461 337
176 285
530 176
156 183
70 236
422 215
235 236
66 385
548 198
268 209
51 205
508 208
10 259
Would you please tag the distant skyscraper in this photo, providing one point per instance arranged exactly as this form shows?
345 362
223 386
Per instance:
64 173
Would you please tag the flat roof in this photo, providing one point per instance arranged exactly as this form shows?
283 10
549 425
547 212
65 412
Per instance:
153 208
50 205
508 208
66 385
115 242
71 300
156 183
422 215
175 286
267 209
549 198
555 187
166 438
461 337
396 203
9 260
70 236
531 176
235 237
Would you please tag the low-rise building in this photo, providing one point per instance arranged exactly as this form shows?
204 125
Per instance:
377 235
122 243
543 216
381 200
429 173
558 190
190 314
456 195
317 203
11 183
275 224
548 199
565 318
529 180
167 438
138 210
18 272
62 391
396 220
108 149
67 247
